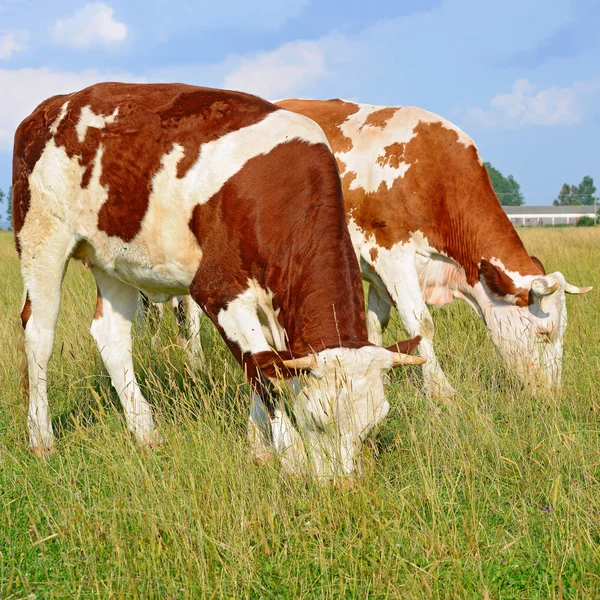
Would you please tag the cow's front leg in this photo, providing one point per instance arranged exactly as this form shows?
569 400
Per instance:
397 271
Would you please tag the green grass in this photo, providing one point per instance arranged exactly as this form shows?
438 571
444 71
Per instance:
495 497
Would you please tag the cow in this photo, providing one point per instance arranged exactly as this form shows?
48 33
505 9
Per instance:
175 189
427 227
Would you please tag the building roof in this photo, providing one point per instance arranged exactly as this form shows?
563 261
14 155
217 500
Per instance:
550 211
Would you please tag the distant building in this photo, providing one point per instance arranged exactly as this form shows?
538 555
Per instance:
529 216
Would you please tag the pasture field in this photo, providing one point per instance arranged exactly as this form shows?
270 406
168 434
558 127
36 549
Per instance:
494 496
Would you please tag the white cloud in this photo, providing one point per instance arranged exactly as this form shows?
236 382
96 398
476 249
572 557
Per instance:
297 69
28 87
10 43
526 106
281 72
92 25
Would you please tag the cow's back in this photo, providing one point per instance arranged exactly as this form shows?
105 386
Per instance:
406 170
124 131
124 165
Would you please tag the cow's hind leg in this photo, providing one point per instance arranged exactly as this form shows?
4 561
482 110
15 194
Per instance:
43 264
115 310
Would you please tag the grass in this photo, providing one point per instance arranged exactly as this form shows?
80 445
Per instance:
495 497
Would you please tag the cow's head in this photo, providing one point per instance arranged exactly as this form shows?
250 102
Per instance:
338 398
527 318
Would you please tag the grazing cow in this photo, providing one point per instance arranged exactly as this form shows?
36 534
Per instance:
427 228
172 189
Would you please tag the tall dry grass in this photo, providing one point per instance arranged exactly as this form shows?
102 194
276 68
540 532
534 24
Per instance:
497 496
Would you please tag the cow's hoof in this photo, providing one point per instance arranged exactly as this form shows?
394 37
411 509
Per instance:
151 441
42 452
441 392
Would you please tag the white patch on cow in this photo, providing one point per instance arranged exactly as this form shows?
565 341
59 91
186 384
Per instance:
407 274
193 344
222 158
520 281
58 120
242 323
369 143
398 267
88 118
172 248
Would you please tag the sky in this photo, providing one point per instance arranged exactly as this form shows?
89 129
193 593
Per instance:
521 77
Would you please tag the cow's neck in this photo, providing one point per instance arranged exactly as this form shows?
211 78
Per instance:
323 305
480 229
472 233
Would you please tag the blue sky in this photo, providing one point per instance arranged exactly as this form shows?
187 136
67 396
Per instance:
521 77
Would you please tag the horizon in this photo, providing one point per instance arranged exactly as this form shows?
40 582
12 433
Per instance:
520 78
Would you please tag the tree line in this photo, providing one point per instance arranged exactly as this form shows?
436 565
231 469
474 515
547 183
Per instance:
509 191
8 198
584 193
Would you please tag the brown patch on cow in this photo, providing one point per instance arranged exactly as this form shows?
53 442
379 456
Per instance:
151 119
373 252
501 284
99 306
394 155
380 117
315 276
329 114
23 368
26 312
538 263
446 194
31 138
271 364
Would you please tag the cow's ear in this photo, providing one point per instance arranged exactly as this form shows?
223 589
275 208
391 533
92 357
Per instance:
283 364
501 285
405 346
538 263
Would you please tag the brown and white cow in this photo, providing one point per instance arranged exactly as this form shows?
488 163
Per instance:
173 189
427 228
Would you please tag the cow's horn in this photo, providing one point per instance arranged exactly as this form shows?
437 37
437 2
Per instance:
540 287
406 359
304 362
573 289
